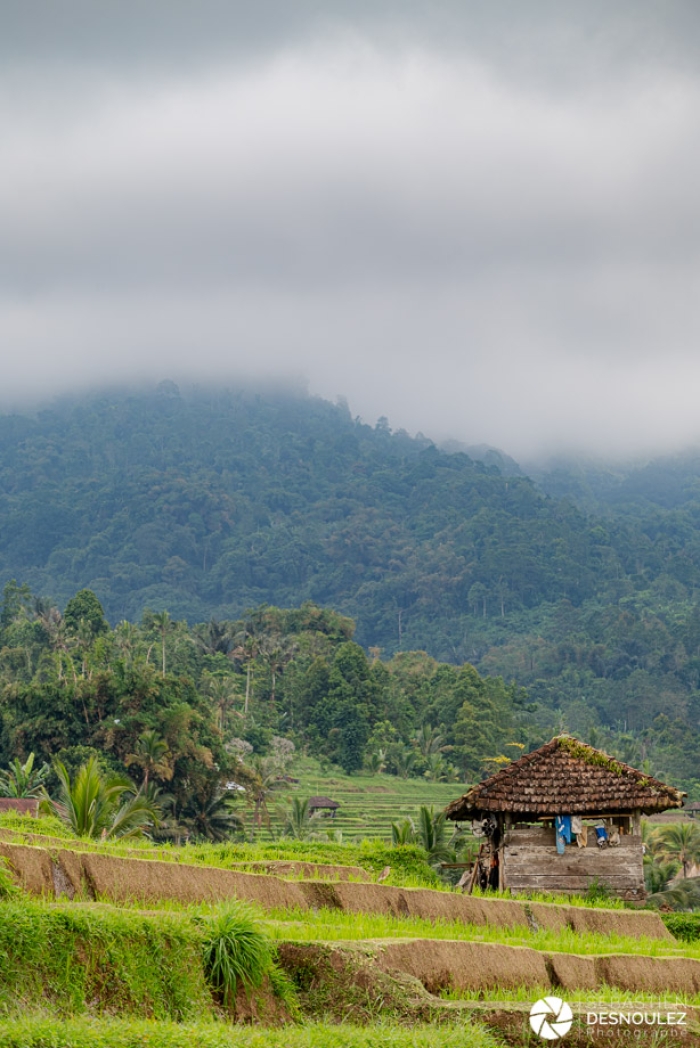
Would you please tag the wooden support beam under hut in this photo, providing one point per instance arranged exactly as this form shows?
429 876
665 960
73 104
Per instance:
562 818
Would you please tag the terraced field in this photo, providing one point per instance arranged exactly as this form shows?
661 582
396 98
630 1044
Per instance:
368 804
110 946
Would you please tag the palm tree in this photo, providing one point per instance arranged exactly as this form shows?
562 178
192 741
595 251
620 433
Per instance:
403 832
683 896
23 780
374 762
680 841
161 622
658 873
223 691
277 653
152 757
264 780
298 820
213 637
246 650
437 767
93 805
431 833
126 637
208 814
428 741
404 759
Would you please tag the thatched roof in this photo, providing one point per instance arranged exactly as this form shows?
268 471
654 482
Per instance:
322 802
566 777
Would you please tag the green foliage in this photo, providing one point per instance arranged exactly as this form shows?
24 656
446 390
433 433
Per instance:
205 508
93 805
403 832
598 892
210 505
684 896
684 926
84 612
432 833
209 814
591 756
408 863
75 960
679 841
8 888
23 780
45 825
234 952
298 820
120 1033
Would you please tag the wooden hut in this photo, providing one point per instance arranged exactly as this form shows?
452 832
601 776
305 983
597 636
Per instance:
528 815
323 806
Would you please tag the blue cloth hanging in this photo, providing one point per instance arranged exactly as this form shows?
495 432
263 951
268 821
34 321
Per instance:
562 826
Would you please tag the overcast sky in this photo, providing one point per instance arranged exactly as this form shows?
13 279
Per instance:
481 220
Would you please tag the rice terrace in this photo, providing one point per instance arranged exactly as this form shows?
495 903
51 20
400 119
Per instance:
254 832
349 524
314 942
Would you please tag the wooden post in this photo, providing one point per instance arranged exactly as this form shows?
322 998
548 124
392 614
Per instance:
505 827
472 879
637 823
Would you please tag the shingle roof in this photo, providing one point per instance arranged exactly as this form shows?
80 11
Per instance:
564 777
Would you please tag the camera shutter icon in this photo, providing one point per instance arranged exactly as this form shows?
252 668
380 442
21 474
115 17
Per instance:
551 1018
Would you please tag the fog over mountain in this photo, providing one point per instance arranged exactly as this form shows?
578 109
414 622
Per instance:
478 220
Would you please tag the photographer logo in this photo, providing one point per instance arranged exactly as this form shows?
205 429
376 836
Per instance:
551 1018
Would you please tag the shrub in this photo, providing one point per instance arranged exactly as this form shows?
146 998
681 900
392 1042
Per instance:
408 862
234 951
684 926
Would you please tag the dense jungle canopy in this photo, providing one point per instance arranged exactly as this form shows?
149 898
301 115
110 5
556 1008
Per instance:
579 586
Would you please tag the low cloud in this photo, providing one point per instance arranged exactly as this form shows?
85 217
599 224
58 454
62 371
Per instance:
467 245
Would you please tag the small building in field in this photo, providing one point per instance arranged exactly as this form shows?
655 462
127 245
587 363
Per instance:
562 818
323 806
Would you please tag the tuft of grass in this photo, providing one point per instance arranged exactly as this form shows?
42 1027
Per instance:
8 888
285 991
234 951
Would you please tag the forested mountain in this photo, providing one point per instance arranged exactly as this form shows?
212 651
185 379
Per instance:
212 503
582 587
